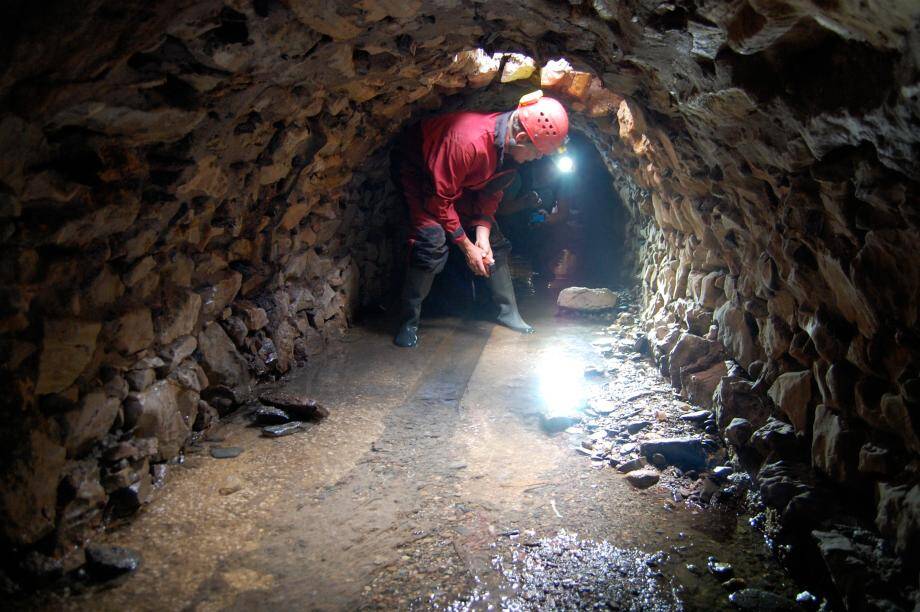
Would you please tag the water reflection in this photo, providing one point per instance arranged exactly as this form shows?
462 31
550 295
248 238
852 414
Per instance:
561 383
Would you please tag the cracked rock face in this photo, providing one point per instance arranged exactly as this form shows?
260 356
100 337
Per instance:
196 193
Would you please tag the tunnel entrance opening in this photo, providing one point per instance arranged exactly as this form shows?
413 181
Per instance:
566 228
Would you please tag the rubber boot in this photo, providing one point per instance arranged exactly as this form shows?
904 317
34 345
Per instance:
418 284
503 296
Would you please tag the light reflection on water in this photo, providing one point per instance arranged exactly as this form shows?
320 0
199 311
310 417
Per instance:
561 383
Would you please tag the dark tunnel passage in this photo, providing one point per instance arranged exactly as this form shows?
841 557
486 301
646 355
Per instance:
204 254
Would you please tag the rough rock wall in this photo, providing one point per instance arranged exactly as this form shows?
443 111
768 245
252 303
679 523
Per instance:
193 193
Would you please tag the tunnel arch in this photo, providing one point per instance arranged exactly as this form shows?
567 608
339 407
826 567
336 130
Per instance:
185 189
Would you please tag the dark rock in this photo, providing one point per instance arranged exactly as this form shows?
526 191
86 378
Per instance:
734 584
875 460
659 461
760 601
807 601
222 398
631 465
108 562
781 481
851 559
834 448
28 489
128 499
739 432
284 429
297 405
697 416
40 569
723 571
685 453
207 416
270 415
81 502
226 452
775 436
721 473
637 426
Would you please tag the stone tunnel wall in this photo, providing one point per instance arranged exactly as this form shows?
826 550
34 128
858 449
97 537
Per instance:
194 195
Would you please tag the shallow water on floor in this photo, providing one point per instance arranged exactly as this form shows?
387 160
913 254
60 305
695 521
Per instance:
434 483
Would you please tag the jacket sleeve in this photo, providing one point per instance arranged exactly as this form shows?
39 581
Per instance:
485 207
448 165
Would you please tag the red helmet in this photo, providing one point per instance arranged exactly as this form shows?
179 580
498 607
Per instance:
544 120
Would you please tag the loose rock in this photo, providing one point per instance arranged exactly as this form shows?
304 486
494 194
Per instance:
284 429
226 452
642 479
108 562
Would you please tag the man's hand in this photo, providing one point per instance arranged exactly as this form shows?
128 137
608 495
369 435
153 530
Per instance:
475 258
482 241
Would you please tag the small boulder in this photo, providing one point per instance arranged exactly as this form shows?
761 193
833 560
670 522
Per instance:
583 299
642 479
298 405
685 453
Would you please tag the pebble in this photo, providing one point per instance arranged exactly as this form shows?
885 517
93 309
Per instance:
159 472
734 584
719 570
231 485
225 452
108 562
637 426
807 600
283 429
659 460
697 416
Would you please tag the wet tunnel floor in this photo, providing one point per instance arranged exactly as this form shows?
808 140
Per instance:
430 485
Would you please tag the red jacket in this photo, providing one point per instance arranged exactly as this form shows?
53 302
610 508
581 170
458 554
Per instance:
460 156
